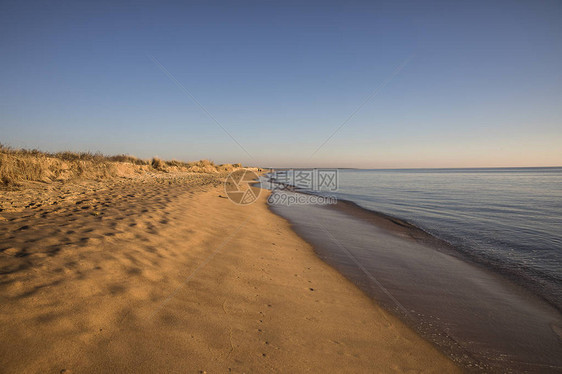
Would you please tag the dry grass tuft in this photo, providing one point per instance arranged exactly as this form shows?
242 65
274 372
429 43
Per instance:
158 164
128 158
21 165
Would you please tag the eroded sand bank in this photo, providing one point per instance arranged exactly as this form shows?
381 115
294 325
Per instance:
167 276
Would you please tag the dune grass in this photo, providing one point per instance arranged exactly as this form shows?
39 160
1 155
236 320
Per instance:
21 165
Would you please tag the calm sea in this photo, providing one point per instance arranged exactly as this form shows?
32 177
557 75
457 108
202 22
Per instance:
509 218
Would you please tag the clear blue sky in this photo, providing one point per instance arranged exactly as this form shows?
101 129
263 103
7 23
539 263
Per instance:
480 83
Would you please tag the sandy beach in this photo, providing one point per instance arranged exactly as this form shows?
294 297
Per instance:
162 273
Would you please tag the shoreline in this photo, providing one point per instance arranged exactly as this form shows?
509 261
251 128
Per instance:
168 276
530 284
361 220
419 233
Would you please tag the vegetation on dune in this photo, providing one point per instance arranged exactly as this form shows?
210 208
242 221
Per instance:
20 165
157 164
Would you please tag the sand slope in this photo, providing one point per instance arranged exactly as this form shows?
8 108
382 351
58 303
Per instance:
166 276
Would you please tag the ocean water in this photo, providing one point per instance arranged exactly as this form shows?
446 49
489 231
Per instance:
508 218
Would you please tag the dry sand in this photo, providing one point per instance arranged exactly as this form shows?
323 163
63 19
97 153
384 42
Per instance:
164 275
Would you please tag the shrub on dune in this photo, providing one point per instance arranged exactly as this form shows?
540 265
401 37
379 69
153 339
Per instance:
158 164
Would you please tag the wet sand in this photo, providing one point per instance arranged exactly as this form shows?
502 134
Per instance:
481 320
166 275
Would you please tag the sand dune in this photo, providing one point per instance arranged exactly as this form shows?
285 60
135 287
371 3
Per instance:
162 274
